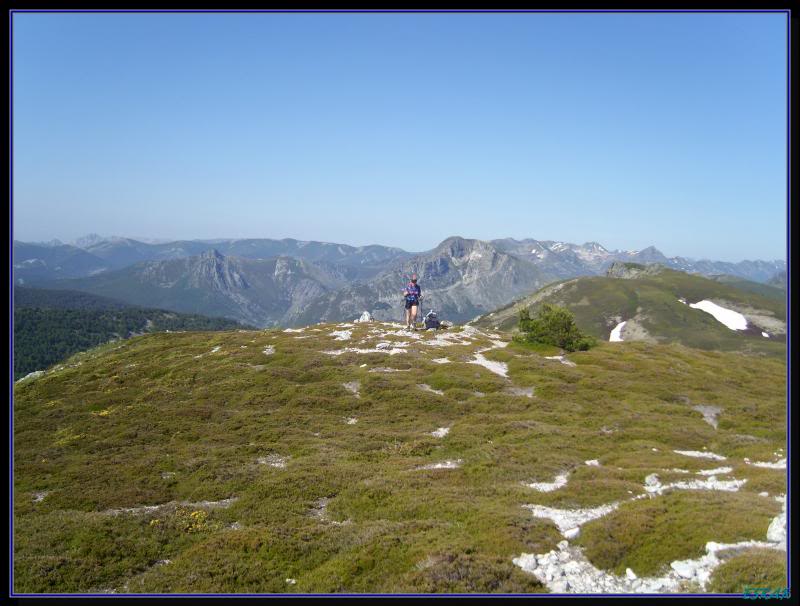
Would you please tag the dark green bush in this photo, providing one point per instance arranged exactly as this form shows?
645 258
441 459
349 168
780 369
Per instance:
553 325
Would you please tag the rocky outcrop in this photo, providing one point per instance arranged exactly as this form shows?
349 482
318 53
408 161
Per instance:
631 271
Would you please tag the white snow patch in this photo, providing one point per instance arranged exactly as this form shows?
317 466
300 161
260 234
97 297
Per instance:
732 319
294 330
700 455
441 360
441 432
559 481
616 333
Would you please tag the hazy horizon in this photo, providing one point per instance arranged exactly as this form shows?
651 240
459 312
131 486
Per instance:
161 240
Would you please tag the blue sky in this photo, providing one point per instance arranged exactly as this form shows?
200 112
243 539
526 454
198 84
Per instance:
404 129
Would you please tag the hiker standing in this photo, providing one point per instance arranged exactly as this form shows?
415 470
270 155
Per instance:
413 293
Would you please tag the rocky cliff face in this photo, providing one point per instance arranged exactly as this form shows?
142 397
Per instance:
213 270
460 279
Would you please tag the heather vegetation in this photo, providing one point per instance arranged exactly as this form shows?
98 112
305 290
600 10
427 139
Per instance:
355 458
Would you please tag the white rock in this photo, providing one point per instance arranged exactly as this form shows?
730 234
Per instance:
593 463
701 455
559 481
629 574
365 317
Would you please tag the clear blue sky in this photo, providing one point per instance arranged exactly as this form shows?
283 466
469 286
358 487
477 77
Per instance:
404 129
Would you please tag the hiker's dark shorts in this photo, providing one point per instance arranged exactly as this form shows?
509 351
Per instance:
410 304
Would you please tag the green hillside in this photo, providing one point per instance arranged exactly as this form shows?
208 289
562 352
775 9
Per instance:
275 461
50 325
651 304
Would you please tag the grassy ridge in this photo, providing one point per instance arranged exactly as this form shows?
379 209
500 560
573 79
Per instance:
599 303
165 420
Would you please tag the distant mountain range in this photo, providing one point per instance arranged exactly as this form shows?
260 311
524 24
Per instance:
290 282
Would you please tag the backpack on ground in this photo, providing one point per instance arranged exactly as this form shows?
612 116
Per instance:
432 320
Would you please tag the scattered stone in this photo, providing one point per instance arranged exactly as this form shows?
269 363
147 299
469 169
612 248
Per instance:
448 464
559 481
351 420
430 389
593 463
709 413
561 359
441 432
567 519
567 569
701 455
273 460
714 472
768 465
31 375
166 475
269 350
653 485
519 391
353 387
500 368
38 497
342 335
441 360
